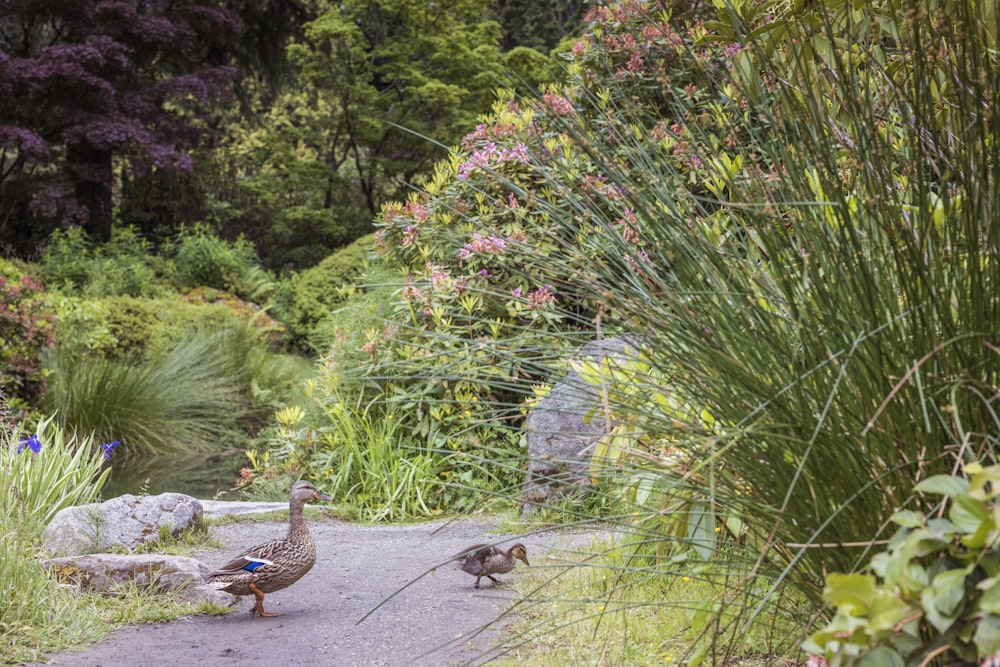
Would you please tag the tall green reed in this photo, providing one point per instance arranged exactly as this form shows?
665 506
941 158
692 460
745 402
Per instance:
823 325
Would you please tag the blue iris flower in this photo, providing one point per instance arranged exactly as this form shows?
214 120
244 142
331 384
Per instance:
108 448
32 443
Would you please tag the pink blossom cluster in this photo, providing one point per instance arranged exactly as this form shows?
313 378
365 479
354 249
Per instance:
489 155
410 235
630 226
481 244
559 104
599 184
541 297
485 132
439 276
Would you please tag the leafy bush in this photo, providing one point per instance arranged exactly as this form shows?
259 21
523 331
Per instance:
815 285
341 335
203 259
933 595
302 302
124 267
26 330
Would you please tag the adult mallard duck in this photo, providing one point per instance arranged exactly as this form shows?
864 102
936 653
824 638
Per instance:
276 564
483 560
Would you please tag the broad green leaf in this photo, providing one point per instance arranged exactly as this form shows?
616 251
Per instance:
908 519
644 488
701 528
990 600
968 514
943 485
985 483
883 656
987 635
949 589
913 578
885 612
941 600
856 590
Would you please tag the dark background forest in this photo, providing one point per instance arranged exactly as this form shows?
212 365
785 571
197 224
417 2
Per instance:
288 123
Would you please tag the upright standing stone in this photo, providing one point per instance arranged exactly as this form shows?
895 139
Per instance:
562 429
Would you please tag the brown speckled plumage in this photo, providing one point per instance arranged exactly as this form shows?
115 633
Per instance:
483 560
277 564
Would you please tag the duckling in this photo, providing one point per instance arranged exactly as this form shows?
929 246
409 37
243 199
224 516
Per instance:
276 564
483 560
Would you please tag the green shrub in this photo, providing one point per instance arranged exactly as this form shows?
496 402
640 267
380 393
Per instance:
130 328
68 259
933 595
126 266
204 260
313 293
26 330
341 335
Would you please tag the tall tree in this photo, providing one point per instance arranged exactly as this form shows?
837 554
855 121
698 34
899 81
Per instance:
87 87
537 25
396 73
381 84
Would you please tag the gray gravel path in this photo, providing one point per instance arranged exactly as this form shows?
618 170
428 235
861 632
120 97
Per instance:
434 621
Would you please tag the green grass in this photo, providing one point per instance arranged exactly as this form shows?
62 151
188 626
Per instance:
130 604
604 605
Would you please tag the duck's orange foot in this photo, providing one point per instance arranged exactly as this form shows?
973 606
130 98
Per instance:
261 612
258 606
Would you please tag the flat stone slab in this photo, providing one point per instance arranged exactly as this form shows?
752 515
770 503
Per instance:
110 573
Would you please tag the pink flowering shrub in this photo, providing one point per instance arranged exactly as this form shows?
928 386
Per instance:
26 330
483 302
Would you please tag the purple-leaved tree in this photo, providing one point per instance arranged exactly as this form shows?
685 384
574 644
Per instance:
90 89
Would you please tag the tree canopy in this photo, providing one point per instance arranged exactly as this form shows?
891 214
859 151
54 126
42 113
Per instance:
87 87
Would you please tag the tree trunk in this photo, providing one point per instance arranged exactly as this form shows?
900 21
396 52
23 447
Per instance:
91 168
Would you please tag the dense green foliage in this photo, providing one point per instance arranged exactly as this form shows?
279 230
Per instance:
148 352
319 289
382 89
935 589
791 209
813 289
539 26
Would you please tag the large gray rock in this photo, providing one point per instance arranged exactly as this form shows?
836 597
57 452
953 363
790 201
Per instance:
110 573
563 428
122 523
